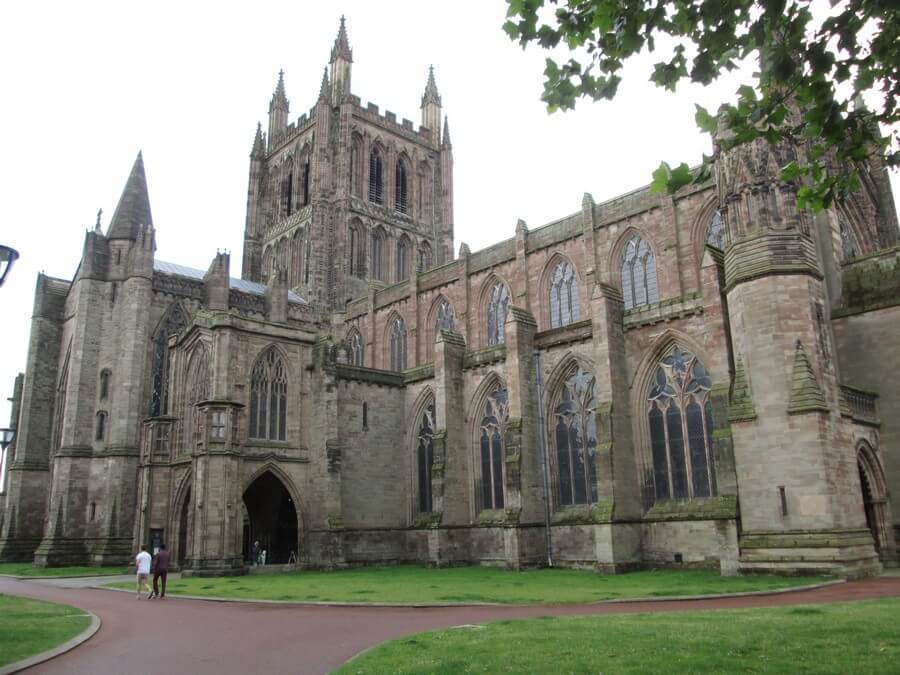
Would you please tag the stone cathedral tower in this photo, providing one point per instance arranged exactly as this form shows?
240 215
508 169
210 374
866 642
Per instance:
346 195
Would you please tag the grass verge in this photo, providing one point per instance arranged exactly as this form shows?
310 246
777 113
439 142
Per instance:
859 637
460 585
28 627
29 570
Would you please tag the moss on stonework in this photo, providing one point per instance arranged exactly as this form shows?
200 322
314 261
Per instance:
806 396
584 514
741 408
427 520
870 283
709 508
335 522
498 518
484 356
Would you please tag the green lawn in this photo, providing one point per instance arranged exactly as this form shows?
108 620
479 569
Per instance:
29 570
28 626
860 637
411 584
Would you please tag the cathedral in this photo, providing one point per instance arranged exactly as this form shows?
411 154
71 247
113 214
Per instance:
702 379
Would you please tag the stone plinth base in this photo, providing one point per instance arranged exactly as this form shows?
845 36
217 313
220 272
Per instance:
846 553
61 551
214 567
14 549
113 551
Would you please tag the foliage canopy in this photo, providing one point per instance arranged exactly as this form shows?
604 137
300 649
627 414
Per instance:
819 63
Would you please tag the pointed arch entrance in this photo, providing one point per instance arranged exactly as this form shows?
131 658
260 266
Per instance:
875 501
271 519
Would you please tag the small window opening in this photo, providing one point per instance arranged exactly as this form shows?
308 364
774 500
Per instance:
93 512
217 426
101 426
118 256
289 193
104 385
365 416
783 497
679 558
113 293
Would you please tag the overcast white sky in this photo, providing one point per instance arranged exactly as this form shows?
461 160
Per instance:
88 84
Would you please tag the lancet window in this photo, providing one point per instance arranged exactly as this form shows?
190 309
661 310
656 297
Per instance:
574 433
638 274
497 309
357 251
492 430
680 420
104 384
425 457
715 234
378 255
268 397
425 257
401 194
174 322
100 431
443 317
563 295
402 259
198 380
398 344
354 348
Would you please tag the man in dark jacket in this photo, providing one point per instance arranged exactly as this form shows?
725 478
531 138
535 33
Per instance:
160 571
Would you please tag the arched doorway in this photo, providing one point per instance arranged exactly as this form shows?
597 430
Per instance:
272 519
183 528
874 497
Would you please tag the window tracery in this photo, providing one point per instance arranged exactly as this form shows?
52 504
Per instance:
497 309
402 259
398 344
174 322
849 247
563 295
378 255
638 274
376 177
443 317
198 381
354 348
680 419
492 430
268 397
574 426
425 457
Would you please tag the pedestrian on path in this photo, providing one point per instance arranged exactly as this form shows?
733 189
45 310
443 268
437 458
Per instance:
256 553
160 571
142 562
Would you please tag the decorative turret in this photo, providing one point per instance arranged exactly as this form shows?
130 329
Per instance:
134 205
445 140
341 61
279 109
325 88
431 107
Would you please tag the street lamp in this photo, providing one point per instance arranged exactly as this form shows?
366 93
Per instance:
8 256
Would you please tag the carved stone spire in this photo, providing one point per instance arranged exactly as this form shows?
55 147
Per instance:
134 205
279 97
431 94
341 47
446 138
259 144
341 64
325 88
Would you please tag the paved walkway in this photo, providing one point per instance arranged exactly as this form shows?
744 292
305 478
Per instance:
194 636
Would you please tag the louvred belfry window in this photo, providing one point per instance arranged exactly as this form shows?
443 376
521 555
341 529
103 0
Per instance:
680 420
268 397
376 178
401 202
492 431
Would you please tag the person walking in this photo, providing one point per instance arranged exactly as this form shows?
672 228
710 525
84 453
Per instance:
256 552
160 571
142 563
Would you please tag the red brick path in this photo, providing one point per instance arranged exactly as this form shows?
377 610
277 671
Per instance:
192 636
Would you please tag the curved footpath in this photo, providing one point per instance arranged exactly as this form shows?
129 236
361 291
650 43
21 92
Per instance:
177 635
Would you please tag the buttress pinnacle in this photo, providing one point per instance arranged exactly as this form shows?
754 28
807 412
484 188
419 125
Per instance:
341 45
324 89
446 137
279 96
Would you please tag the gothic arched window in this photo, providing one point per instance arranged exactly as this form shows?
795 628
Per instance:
491 431
398 344
402 258
563 295
425 183
304 182
715 235
425 256
159 396
197 378
357 250
497 309
680 419
574 432
425 457
100 431
377 271
849 247
638 274
443 317
356 166
268 397
105 375
401 202
59 403
354 348
376 177
296 269
267 262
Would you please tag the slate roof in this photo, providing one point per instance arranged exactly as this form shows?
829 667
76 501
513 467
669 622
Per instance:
237 284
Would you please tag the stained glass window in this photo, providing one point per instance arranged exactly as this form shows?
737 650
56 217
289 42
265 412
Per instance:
398 344
172 324
563 295
638 274
425 457
574 426
680 423
268 397
498 307
492 430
